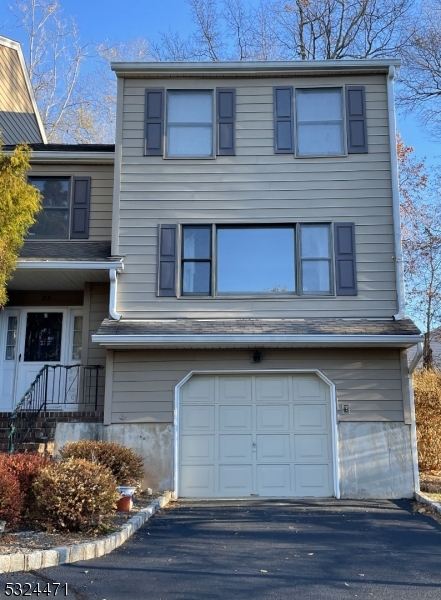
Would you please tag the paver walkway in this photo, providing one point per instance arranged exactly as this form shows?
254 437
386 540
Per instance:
281 549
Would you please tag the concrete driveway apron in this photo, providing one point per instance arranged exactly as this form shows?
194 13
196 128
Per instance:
262 549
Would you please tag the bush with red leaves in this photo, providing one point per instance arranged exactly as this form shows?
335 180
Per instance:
11 499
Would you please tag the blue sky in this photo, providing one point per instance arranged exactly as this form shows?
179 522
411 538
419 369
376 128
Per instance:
116 20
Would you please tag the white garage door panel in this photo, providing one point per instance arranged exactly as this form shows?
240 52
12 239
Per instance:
311 418
308 387
267 435
235 418
235 480
272 418
312 480
311 448
198 418
197 481
272 389
273 480
273 447
198 448
235 447
199 389
235 389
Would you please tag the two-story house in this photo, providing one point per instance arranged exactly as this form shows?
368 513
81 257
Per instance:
259 345
256 341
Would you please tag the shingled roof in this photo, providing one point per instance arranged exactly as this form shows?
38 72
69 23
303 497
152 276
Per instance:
275 332
68 250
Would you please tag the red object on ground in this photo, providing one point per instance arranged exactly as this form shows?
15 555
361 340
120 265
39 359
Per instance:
124 504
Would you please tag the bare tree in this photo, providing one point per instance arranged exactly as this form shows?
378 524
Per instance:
420 75
54 56
421 234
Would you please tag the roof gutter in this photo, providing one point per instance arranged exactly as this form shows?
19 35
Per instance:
64 156
250 340
251 68
399 271
74 265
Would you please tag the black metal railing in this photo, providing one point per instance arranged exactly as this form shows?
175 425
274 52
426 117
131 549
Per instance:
56 388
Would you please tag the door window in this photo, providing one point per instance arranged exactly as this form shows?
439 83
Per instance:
43 337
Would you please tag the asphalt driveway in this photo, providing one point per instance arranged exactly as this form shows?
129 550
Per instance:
258 549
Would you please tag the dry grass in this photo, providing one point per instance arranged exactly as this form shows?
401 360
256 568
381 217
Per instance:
427 387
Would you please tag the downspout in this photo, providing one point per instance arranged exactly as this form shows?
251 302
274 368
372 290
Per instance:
413 435
399 272
113 274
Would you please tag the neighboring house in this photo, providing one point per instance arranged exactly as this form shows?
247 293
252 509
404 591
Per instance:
257 342
19 117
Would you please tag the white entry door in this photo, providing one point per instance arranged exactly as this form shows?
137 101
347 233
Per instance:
32 338
260 435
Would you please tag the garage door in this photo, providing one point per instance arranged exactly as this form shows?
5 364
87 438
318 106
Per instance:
265 435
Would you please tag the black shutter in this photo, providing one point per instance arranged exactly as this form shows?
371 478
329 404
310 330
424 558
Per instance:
283 121
167 260
79 222
226 117
154 121
356 120
345 265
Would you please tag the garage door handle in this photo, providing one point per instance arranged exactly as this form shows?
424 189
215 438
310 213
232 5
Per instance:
254 445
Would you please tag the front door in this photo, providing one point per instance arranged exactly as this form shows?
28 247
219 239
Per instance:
41 342
31 338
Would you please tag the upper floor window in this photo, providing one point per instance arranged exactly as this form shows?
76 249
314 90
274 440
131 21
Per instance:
319 122
65 208
193 123
189 123
53 219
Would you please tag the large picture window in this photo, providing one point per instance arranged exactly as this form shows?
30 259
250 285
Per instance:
257 260
189 123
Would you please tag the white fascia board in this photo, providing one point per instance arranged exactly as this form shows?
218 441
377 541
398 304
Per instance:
17 46
66 157
77 265
167 69
258 340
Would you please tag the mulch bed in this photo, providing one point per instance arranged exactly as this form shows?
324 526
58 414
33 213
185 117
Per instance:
31 540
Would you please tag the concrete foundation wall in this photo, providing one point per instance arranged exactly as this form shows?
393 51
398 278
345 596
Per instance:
375 459
153 442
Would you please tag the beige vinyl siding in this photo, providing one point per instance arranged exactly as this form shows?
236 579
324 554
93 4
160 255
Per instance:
256 186
97 309
17 118
368 380
101 194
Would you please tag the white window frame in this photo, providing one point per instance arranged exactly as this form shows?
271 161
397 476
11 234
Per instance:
343 120
213 124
